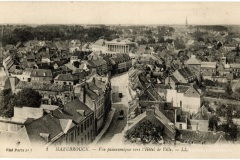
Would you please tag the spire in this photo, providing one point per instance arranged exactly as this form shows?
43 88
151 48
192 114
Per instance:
186 22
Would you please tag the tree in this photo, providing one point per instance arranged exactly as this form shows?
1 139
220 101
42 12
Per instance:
29 98
213 122
229 89
160 39
76 64
7 103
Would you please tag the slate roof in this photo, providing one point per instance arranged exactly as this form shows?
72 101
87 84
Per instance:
185 72
91 94
47 125
208 64
71 111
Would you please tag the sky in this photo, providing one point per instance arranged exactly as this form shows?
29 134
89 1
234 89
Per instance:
119 13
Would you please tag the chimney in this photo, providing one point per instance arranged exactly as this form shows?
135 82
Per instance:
175 116
197 128
83 91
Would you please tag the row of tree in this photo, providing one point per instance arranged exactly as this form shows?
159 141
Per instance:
51 32
26 97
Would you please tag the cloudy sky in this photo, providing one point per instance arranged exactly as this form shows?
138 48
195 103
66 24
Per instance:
118 13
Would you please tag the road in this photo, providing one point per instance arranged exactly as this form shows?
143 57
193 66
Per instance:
116 126
121 83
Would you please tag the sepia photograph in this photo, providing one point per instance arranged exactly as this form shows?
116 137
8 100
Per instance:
119 79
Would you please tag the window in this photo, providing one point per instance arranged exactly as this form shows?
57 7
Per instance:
88 136
85 125
180 126
81 140
90 120
81 128
72 137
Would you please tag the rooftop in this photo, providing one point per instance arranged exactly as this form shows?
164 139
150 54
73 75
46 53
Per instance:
43 86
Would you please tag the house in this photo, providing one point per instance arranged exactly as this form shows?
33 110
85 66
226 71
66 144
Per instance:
120 63
71 125
152 116
41 75
183 75
208 137
81 118
75 57
26 75
51 93
66 79
92 95
4 83
235 68
100 64
194 65
8 62
208 69
45 56
187 97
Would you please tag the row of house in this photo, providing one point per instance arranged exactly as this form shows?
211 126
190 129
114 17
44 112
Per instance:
71 124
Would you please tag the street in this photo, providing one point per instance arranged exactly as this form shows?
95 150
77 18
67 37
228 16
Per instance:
120 83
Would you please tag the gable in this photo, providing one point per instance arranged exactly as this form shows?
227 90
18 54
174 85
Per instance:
191 92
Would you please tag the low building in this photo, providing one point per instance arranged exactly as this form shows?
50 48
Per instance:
41 75
208 69
186 97
66 79
121 63
49 92
152 114
70 125
183 75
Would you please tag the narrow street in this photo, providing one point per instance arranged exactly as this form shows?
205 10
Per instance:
120 83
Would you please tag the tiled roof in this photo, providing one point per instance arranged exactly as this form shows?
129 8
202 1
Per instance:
66 77
235 65
193 60
185 72
208 64
41 73
207 137
43 86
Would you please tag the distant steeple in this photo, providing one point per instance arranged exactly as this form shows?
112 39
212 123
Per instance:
186 22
